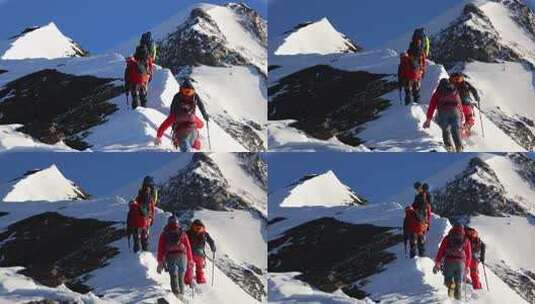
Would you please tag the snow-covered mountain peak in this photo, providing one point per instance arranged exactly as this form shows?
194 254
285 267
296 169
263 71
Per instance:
320 190
318 37
40 42
48 184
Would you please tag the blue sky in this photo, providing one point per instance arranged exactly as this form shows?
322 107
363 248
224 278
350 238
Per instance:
376 176
369 22
97 25
97 173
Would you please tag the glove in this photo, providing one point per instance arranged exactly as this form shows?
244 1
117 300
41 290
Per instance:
427 124
207 118
436 268
157 141
482 260
159 269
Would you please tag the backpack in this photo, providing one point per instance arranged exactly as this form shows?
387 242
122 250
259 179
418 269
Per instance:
449 97
455 249
174 242
419 34
421 209
145 200
147 41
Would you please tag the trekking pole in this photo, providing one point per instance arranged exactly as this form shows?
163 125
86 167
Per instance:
486 279
208 131
213 268
481 119
127 103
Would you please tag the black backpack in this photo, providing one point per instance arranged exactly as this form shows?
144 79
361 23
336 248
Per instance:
147 41
144 200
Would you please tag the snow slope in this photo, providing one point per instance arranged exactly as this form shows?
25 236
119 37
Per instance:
399 127
310 192
318 37
43 42
45 185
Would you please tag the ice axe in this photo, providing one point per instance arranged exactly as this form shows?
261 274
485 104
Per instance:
486 279
208 131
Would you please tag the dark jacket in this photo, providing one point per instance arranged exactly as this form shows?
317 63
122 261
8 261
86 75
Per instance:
198 242
465 89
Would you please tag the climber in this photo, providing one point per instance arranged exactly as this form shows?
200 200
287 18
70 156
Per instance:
450 114
423 44
174 255
138 72
417 221
468 93
148 182
478 255
184 120
409 76
198 237
455 255
141 216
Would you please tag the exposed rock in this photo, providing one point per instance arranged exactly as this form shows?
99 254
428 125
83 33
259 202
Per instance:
54 106
472 37
477 190
521 129
337 255
67 248
520 280
525 166
255 166
199 185
327 102
248 277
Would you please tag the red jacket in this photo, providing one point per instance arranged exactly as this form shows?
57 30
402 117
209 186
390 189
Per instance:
444 246
164 247
434 104
136 218
411 225
132 74
407 72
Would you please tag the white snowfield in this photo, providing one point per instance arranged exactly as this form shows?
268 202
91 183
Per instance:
319 37
44 42
312 193
46 185
130 277
408 281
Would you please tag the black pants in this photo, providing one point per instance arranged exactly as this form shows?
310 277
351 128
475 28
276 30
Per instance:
141 239
139 95
417 243
412 92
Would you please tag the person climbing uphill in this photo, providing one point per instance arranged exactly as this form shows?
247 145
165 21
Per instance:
141 215
455 254
420 39
468 93
147 41
409 76
174 255
478 255
417 221
138 72
184 120
450 114
198 237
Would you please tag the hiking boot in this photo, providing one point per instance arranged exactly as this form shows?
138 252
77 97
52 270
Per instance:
450 148
457 292
459 149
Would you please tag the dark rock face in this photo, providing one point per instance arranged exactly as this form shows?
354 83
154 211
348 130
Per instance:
461 42
331 254
525 166
56 249
522 14
54 106
327 102
255 166
243 132
522 281
190 47
518 127
477 190
248 277
200 185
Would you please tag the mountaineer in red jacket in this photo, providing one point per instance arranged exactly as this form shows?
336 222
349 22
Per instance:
410 72
174 254
417 221
137 74
184 120
199 237
455 254
450 114
141 215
